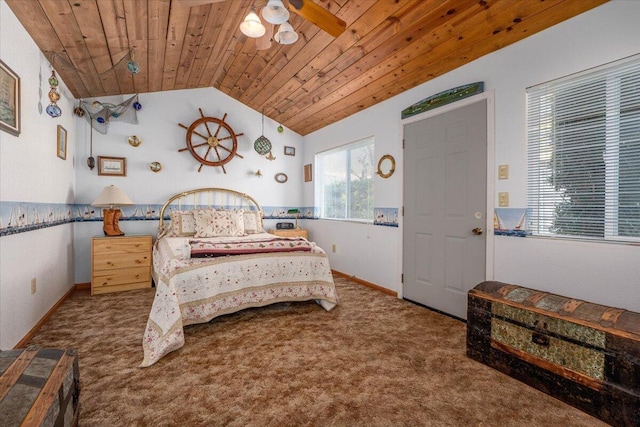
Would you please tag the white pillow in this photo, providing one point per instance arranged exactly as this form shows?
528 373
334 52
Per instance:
183 223
253 222
219 223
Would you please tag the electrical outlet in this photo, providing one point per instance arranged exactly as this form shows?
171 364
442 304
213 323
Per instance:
33 286
333 248
503 199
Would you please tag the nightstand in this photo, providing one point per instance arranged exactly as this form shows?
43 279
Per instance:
293 232
120 263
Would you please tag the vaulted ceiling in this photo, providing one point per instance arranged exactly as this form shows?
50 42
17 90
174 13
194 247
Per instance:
389 46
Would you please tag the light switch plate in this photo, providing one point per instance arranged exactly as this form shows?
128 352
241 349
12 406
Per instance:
503 172
503 199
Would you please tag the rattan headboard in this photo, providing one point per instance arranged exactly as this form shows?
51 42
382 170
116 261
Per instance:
221 198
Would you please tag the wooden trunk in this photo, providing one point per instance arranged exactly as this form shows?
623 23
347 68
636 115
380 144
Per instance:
584 354
39 387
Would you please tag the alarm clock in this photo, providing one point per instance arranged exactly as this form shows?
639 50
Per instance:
284 226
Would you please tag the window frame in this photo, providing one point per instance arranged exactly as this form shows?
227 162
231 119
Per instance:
319 185
608 75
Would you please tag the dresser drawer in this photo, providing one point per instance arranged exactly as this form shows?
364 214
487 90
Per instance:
110 261
121 245
120 277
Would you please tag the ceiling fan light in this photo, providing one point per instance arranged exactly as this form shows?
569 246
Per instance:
251 26
275 12
286 34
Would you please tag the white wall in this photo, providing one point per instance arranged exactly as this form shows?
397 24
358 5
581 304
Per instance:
30 171
162 137
602 273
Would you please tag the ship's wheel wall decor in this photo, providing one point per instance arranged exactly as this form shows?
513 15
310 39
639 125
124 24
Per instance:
211 141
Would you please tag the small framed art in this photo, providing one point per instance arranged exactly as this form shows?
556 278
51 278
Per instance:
9 100
289 151
308 176
112 166
61 143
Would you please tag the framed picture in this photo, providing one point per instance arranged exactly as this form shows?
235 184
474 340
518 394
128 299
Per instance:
289 151
308 176
62 143
9 100
112 166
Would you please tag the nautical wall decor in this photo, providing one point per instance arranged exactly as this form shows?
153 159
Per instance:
100 114
210 133
54 96
443 98
9 100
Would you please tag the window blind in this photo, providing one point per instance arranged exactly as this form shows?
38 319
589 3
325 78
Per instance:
583 150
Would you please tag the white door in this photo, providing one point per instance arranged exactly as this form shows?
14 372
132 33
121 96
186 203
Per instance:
445 181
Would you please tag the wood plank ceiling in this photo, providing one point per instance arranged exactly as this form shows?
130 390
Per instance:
389 46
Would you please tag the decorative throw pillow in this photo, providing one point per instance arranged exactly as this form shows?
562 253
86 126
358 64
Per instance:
183 223
219 223
253 222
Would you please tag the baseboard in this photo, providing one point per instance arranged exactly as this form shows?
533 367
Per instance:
367 284
23 342
81 286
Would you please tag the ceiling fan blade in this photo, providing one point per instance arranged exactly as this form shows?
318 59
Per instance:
192 3
319 16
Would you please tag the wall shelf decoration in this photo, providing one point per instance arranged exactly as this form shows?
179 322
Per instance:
9 100
112 166
61 143
443 98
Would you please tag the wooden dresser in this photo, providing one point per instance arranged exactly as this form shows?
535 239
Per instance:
585 354
120 263
292 232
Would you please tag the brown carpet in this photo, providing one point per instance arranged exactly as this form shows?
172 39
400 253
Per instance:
374 360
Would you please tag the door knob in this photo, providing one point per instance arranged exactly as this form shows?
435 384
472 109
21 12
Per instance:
477 231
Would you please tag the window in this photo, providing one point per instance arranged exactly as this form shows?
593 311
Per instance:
583 136
344 182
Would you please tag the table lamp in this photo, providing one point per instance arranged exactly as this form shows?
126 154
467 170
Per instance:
112 196
294 211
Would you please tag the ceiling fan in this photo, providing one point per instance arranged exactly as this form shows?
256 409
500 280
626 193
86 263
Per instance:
309 10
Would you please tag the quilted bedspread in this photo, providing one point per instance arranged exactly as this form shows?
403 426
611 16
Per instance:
196 290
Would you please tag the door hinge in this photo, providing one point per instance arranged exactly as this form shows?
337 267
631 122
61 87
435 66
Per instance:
402 278
403 143
402 211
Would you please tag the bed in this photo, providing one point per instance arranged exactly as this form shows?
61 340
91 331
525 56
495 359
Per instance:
214 258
